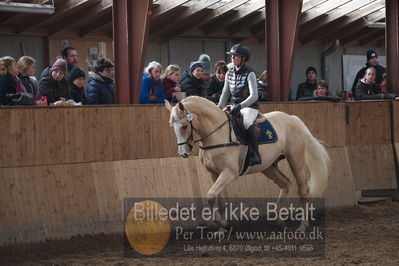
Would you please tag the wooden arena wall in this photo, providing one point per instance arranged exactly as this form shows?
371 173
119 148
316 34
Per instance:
65 171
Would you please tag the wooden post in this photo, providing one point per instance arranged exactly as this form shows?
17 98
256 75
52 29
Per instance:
131 25
392 44
282 24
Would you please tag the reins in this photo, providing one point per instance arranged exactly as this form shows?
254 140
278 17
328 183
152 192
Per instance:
228 144
190 140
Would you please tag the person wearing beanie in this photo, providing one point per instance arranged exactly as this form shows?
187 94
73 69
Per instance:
76 83
193 84
101 87
307 88
372 61
205 61
53 83
152 90
206 73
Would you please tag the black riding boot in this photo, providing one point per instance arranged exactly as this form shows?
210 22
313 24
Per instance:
253 136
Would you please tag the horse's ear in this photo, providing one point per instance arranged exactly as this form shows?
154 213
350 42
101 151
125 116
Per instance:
168 105
181 106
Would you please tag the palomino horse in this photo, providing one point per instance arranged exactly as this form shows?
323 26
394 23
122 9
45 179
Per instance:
196 119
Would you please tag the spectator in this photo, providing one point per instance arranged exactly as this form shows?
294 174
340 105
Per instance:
76 83
53 83
322 89
101 87
27 70
262 87
368 89
12 91
205 60
152 90
322 93
170 80
70 55
307 88
193 84
217 81
372 61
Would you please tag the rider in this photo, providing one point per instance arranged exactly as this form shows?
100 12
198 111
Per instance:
242 87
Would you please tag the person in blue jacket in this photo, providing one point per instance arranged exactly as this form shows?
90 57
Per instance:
152 90
101 87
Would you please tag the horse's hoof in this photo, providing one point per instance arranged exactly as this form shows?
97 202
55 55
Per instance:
225 224
302 227
220 234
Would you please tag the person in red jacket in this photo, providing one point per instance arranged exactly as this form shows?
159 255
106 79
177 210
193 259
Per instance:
170 80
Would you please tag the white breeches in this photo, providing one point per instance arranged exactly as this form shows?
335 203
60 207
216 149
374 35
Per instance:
249 115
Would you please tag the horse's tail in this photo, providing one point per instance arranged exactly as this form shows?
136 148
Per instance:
318 162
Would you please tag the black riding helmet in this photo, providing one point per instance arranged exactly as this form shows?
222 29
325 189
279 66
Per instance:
241 50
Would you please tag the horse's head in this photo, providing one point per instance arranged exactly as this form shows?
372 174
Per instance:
181 121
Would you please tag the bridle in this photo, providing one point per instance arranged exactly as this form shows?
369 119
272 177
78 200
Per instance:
191 141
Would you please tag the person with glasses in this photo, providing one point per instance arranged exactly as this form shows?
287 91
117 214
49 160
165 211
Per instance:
101 87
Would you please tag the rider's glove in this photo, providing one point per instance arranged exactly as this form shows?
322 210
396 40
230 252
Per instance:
236 110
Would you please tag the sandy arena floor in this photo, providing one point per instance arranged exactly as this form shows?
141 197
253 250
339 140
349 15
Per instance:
366 235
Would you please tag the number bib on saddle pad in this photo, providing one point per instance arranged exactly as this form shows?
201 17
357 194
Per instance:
268 134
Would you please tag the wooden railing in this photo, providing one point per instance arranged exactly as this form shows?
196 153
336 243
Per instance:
65 171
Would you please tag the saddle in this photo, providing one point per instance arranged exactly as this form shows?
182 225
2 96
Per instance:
268 134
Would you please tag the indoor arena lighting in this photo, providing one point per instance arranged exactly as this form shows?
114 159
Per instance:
27 8
378 25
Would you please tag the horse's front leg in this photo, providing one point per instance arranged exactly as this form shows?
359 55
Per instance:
222 181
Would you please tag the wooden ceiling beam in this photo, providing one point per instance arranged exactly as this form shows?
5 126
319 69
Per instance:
96 24
258 28
256 38
212 15
14 18
372 37
355 36
351 24
83 17
6 18
321 10
333 16
323 29
239 15
60 12
381 41
183 17
311 4
247 22
165 6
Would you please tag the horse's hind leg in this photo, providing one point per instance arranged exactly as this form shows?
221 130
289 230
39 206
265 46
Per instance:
298 169
280 179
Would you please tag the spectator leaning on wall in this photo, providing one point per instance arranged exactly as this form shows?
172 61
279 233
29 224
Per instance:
372 61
